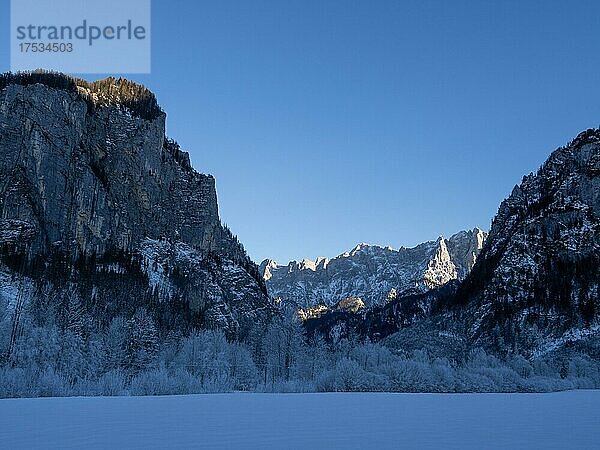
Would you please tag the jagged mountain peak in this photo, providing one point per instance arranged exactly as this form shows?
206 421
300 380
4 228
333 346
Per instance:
374 273
535 280
321 262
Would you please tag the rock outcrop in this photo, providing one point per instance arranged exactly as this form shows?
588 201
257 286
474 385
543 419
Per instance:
534 287
374 274
92 193
538 274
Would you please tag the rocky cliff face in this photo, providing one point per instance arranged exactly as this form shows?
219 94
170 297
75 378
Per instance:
535 286
92 193
537 279
374 274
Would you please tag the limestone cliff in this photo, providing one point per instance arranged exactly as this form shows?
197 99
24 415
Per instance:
92 193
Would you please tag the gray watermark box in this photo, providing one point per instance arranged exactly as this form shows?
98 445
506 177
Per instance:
81 36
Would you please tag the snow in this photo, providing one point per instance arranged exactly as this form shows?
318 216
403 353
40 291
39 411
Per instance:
371 271
572 335
366 420
154 251
10 291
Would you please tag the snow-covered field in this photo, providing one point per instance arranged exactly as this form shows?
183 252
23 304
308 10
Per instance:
557 420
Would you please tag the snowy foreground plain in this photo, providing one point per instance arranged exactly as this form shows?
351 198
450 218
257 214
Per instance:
338 420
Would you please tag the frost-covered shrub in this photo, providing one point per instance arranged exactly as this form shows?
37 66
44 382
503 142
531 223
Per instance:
347 375
243 371
520 365
206 355
52 384
111 383
162 382
583 367
127 356
155 382
13 383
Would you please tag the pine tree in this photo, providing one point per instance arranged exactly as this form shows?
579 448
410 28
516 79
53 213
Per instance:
141 341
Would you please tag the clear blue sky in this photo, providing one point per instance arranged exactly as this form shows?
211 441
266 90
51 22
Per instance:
328 123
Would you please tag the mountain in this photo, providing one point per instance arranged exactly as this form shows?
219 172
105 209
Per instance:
536 282
374 274
534 288
97 205
117 276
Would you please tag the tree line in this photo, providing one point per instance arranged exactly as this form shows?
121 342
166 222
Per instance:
110 91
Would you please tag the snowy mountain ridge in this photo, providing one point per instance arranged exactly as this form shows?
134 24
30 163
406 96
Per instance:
534 287
373 273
